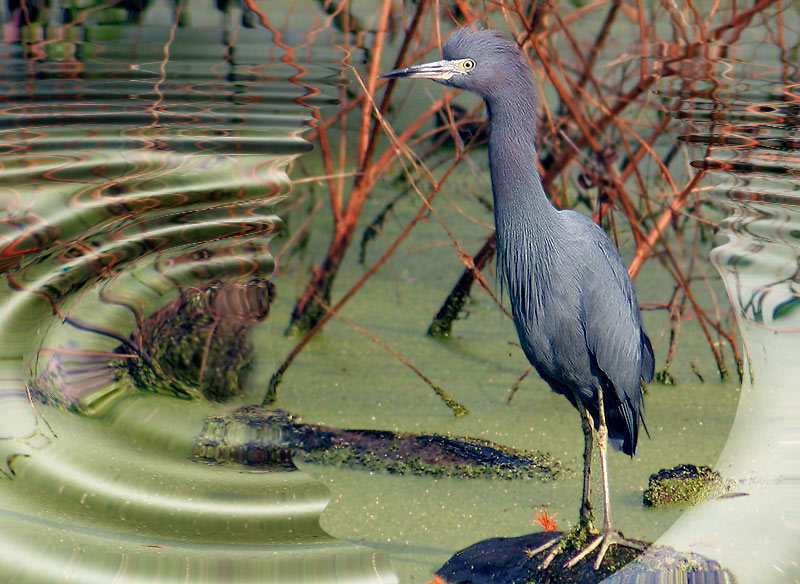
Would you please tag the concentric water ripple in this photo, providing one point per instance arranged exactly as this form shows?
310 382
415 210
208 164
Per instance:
138 179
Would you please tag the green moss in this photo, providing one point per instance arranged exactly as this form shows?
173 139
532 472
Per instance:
664 377
682 484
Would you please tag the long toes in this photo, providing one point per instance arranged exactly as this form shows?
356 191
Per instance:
554 543
584 552
545 546
616 538
607 543
604 541
634 545
550 557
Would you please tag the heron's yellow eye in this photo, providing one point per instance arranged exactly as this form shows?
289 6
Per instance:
468 64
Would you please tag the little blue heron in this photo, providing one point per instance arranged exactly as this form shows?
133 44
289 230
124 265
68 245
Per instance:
573 303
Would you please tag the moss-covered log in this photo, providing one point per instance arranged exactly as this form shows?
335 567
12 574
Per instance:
257 436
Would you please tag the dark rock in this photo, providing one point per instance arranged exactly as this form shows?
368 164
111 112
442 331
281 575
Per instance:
504 560
491 561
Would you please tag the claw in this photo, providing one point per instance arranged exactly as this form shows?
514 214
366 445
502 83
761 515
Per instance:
551 556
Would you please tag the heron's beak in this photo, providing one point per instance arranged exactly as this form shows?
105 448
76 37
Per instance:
438 71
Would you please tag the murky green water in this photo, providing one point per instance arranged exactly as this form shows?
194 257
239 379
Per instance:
141 163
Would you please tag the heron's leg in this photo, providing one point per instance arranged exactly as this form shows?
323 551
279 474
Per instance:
586 517
608 537
602 446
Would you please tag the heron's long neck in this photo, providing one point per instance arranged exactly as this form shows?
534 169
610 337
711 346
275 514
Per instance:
521 206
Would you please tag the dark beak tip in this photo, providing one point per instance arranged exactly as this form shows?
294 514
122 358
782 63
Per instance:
391 75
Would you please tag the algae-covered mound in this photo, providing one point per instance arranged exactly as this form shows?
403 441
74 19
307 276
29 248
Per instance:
685 483
257 436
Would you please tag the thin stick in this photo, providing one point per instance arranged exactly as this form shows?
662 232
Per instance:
457 408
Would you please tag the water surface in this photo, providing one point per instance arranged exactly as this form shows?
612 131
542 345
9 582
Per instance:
140 172
741 112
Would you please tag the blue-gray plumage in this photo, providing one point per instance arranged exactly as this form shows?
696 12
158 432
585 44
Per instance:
572 301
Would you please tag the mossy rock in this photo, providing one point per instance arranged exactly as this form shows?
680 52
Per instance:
508 560
682 484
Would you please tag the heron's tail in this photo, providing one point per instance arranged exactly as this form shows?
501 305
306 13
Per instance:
623 421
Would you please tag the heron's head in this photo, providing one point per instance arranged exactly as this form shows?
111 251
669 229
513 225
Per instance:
479 61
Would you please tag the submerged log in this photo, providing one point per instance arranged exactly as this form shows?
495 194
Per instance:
258 437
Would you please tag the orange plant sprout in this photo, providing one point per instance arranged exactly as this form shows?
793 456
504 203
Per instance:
546 521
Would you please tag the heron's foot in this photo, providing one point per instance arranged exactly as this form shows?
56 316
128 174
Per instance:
576 539
604 540
566 541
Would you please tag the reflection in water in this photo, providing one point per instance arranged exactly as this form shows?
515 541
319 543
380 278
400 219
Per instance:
746 117
199 345
139 173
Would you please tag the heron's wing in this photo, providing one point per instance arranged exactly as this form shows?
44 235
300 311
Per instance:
613 326
613 330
